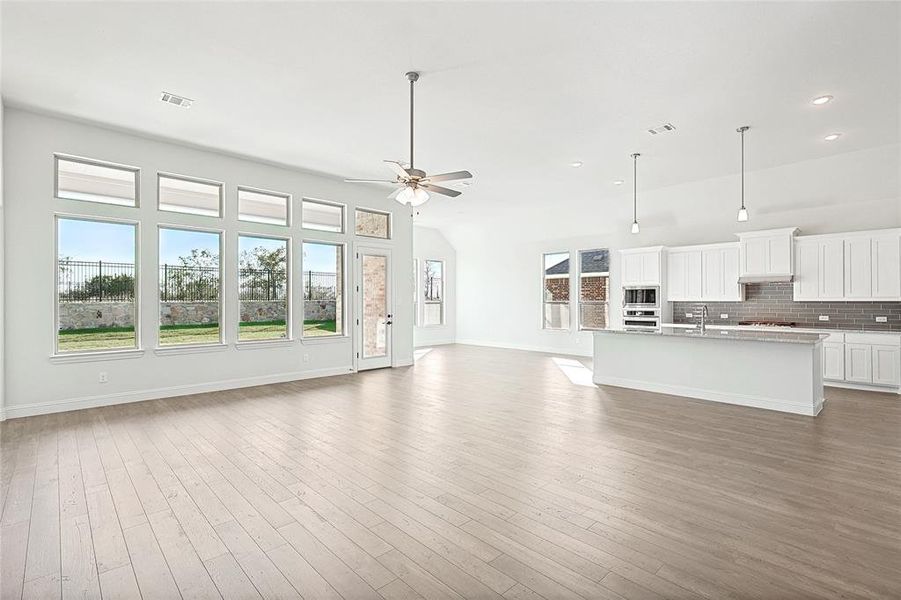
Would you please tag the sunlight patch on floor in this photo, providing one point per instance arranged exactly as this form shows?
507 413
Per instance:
420 352
576 372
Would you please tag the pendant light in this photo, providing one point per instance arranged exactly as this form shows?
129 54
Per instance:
635 228
742 212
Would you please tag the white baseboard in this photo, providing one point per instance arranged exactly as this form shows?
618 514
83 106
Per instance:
797 408
529 348
443 342
43 408
863 387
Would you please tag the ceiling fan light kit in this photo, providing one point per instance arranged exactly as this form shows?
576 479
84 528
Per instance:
415 183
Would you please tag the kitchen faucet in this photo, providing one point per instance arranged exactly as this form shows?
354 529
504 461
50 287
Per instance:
703 318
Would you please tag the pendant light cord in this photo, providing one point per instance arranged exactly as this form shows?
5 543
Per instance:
742 131
635 187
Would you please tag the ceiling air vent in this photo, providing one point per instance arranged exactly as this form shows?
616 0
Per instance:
176 100
665 128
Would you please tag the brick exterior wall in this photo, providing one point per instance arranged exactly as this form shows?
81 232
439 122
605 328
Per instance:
556 290
594 289
773 302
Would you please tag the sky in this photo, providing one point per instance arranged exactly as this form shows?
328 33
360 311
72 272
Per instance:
115 242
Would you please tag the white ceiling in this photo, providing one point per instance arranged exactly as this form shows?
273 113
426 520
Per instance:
512 92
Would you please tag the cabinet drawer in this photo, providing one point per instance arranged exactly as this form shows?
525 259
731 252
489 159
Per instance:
882 339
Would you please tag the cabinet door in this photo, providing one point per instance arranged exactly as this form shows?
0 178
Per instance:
858 268
831 269
732 290
807 271
631 269
886 263
858 366
712 274
650 267
833 361
676 276
693 275
886 365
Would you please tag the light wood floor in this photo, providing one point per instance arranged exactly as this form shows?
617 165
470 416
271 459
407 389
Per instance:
478 473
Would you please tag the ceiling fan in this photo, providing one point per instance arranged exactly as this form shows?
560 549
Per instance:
415 184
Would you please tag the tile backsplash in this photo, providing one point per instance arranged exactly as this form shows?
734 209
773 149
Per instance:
773 302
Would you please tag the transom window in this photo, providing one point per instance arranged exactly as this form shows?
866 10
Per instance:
259 206
372 223
96 181
322 216
188 195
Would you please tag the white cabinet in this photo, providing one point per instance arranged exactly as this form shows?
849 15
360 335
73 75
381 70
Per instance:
642 266
873 266
703 273
833 360
886 361
885 252
858 364
720 265
767 254
683 275
819 269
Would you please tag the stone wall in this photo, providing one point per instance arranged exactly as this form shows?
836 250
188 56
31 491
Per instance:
87 315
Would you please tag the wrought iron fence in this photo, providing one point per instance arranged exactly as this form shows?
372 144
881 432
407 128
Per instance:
189 284
262 284
319 285
96 281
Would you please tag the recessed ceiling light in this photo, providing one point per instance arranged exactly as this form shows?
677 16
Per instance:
618 182
181 101
832 137
822 100
576 164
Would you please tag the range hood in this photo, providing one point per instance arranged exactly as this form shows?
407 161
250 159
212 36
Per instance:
766 278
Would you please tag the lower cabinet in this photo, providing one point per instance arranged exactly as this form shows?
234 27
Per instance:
865 359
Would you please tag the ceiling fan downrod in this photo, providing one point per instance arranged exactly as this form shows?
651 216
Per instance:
412 77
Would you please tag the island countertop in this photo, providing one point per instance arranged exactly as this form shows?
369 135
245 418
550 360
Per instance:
712 333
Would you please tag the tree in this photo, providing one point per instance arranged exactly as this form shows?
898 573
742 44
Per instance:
264 273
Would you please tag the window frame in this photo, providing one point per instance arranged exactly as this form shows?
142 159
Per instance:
289 284
189 178
543 288
57 156
340 205
180 348
440 302
138 348
255 190
345 313
580 302
376 211
416 319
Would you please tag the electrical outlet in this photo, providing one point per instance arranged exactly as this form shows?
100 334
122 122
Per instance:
724 316
306 357
103 378
882 319
824 317
689 315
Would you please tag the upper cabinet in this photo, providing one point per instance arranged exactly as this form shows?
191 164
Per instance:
642 266
767 255
703 273
849 266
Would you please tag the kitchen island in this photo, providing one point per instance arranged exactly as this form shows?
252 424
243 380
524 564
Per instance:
776 370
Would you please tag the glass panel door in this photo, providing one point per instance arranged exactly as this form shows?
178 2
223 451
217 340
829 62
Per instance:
374 329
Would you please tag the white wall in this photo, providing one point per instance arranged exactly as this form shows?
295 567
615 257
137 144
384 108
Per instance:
499 268
2 282
35 383
430 244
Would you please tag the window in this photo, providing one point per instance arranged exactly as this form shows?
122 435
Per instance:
95 181
594 271
262 288
433 293
95 285
323 289
371 223
191 196
322 216
556 291
189 287
259 206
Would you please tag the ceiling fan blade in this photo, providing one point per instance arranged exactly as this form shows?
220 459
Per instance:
397 168
369 181
448 176
440 190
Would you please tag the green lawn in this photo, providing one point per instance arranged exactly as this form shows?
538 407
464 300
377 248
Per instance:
110 338
314 328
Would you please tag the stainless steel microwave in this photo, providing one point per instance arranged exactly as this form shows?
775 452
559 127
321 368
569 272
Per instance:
641 297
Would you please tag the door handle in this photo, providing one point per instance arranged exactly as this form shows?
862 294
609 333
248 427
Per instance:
387 322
